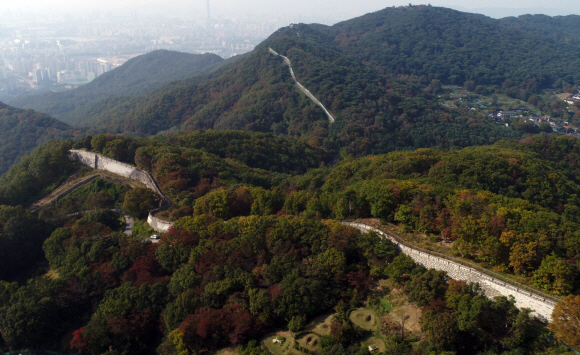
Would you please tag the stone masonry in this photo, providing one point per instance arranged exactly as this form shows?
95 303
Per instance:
541 306
98 161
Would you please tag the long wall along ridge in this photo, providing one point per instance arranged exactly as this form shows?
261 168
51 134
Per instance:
301 87
98 161
541 306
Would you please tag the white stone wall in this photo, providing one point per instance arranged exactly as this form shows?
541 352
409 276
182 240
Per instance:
98 161
541 306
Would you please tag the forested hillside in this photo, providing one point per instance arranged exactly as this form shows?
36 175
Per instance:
255 249
534 52
374 112
136 77
21 131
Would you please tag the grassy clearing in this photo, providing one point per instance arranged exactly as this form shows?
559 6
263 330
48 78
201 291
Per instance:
374 341
321 325
364 318
385 302
287 348
228 351
143 229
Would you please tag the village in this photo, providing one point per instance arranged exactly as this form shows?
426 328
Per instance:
512 112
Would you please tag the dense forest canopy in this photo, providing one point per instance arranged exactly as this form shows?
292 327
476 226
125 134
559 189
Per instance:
454 47
375 113
21 131
255 248
136 77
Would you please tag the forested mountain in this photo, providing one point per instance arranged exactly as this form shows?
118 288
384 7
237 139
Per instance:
21 131
136 77
565 29
454 47
374 112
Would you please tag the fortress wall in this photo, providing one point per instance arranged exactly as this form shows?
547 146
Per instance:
98 161
493 287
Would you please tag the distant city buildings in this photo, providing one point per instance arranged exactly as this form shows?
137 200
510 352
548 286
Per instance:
47 53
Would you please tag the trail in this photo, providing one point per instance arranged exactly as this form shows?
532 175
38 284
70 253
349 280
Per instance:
301 87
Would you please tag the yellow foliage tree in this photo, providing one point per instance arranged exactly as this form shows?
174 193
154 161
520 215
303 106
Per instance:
566 321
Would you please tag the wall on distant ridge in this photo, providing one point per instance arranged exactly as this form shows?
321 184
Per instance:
98 161
541 306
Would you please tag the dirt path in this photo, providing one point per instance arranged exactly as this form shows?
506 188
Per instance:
78 179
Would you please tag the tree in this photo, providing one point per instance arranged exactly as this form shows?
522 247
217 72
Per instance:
296 324
401 265
428 287
566 321
139 201
79 341
554 275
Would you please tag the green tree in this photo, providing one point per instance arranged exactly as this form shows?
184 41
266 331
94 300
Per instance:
296 323
554 275
139 201
401 265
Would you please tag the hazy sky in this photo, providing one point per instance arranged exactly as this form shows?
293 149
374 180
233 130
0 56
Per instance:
495 8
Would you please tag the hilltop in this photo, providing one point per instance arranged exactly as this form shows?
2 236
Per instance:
534 52
136 77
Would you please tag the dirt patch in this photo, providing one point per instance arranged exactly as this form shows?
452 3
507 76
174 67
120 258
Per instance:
309 341
365 319
321 325
412 315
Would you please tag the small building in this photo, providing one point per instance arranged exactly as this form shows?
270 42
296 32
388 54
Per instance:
373 348
506 114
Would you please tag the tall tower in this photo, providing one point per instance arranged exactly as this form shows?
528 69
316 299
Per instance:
208 13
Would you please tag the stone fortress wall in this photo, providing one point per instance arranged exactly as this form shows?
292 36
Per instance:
301 87
98 161
541 306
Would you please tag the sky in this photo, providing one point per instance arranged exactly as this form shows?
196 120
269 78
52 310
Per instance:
310 8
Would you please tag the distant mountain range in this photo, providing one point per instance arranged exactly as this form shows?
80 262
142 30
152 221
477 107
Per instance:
136 77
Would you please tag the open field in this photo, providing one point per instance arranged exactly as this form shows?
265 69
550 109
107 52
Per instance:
365 319
287 348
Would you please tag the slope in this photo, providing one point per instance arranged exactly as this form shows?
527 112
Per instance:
21 131
134 78
374 112
455 47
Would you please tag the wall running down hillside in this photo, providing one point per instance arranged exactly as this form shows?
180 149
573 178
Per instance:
98 161
301 87
493 287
